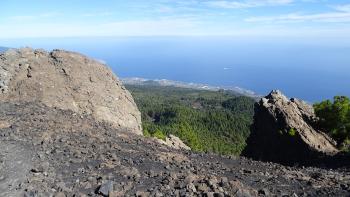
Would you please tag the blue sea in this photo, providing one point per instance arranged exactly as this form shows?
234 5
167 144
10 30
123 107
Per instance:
309 69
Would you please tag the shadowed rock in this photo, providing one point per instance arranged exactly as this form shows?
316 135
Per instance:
283 132
67 80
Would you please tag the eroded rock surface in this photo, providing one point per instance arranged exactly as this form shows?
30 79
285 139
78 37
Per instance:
67 80
283 132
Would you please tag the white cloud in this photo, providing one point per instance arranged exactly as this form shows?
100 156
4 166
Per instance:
118 28
182 24
95 14
34 17
22 17
340 15
334 17
151 27
342 8
162 28
247 3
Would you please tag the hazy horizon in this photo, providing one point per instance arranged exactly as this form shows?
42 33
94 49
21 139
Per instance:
299 46
311 70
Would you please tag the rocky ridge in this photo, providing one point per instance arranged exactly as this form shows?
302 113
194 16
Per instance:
67 80
284 131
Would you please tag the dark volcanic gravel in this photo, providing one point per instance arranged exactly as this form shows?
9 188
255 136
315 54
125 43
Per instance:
50 152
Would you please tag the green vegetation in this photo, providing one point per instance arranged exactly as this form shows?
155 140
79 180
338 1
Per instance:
208 121
159 134
335 118
292 132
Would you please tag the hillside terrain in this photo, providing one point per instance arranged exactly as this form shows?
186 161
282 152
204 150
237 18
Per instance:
207 121
51 151
53 143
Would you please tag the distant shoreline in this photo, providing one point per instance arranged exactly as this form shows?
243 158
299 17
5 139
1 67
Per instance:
180 84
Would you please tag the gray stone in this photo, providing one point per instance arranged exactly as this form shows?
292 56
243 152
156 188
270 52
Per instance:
202 187
191 187
60 194
264 192
106 188
67 80
29 194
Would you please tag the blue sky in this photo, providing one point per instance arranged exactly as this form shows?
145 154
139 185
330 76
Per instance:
70 18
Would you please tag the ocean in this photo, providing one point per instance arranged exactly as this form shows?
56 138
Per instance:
309 69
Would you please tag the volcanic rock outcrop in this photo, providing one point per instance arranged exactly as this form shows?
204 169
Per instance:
283 132
68 81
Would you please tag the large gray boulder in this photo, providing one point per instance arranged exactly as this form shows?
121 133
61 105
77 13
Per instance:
67 80
283 131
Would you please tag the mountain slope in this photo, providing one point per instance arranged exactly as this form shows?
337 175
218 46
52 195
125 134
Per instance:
69 154
207 121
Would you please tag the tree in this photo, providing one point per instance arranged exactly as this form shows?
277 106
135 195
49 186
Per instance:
220 124
334 117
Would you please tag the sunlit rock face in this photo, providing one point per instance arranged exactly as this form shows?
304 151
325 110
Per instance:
67 80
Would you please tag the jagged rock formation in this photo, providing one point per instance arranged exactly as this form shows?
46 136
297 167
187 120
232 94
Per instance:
67 80
283 131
